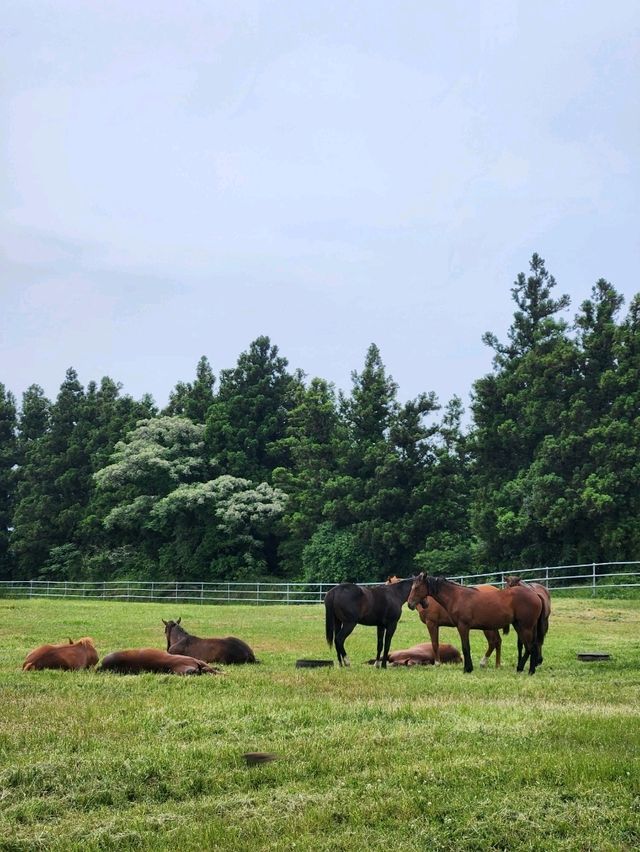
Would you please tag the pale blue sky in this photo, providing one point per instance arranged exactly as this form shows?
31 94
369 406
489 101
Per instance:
180 177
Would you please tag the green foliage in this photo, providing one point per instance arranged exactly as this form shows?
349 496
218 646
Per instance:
248 419
8 462
268 474
336 556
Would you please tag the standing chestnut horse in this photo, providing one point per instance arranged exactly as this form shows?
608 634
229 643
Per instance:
545 597
487 610
435 616
229 650
376 606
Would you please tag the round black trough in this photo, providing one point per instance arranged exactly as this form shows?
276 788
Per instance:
593 656
313 664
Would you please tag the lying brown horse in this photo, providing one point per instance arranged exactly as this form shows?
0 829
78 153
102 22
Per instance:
140 660
435 616
486 610
68 655
423 655
545 597
229 650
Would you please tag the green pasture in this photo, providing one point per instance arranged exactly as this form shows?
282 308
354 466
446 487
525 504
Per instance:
403 759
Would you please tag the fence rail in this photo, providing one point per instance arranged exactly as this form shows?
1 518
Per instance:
592 577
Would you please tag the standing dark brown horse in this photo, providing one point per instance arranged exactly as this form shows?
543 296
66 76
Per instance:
434 616
375 606
229 650
545 596
487 610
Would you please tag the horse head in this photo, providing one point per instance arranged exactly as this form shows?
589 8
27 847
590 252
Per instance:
423 587
512 581
392 580
169 628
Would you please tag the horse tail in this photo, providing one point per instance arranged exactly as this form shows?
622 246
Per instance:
329 619
541 628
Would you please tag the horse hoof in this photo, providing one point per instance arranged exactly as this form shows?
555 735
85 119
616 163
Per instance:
346 662
377 664
436 662
483 663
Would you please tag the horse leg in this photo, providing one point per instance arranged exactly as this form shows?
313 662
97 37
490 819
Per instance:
490 645
435 641
463 630
337 627
526 637
344 632
380 643
391 629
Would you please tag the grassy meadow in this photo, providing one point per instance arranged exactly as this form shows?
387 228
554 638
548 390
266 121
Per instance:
409 759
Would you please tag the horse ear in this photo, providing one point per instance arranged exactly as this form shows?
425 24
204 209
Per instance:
179 620
70 640
164 622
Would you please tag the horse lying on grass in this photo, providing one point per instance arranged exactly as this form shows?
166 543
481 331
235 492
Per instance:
140 660
423 655
68 655
229 650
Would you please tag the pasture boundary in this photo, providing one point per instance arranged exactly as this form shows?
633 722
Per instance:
592 577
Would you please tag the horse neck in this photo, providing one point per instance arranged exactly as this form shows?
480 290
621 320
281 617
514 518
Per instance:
444 594
177 633
401 589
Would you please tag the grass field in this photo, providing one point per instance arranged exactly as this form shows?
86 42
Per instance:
406 759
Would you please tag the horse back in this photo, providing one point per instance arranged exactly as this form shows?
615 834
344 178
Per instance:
137 660
230 650
69 656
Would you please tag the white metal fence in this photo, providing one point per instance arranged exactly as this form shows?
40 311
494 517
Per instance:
594 578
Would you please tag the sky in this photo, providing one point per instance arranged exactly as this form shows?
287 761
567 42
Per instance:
178 178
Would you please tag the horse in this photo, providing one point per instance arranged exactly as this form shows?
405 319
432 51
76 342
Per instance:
545 596
139 660
435 616
423 655
486 610
67 655
229 650
375 606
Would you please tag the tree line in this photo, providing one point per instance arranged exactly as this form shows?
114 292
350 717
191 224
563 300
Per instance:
263 473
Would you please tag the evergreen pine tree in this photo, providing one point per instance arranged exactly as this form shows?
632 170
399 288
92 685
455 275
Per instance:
8 463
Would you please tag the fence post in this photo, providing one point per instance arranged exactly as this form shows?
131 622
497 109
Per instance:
257 593
593 582
546 576
31 589
228 592
176 592
502 579
201 592
287 593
